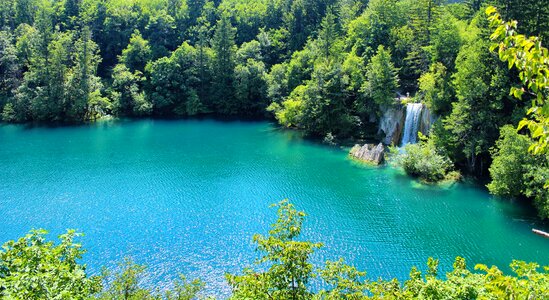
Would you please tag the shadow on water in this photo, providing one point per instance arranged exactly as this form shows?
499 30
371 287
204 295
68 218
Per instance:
110 120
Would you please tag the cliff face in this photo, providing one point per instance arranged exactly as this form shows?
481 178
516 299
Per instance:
391 125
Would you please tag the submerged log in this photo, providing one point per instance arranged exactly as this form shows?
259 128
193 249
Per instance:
369 153
539 232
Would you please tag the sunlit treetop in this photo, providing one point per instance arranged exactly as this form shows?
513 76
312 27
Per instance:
532 61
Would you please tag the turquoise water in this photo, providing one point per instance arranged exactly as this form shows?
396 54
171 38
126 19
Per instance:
187 196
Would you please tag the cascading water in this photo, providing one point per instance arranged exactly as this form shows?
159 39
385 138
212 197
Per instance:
412 123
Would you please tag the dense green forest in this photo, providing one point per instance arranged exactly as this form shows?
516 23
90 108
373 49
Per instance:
327 67
35 268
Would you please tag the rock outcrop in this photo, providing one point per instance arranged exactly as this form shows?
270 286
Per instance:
369 153
391 124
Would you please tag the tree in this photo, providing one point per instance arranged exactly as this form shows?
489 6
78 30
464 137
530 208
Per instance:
205 58
326 111
83 95
126 93
223 67
532 60
435 89
515 172
373 27
43 89
10 69
71 11
161 33
381 78
482 105
424 13
120 20
250 83
137 54
445 40
125 284
290 112
277 83
24 11
7 14
33 268
174 81
328 36
288 269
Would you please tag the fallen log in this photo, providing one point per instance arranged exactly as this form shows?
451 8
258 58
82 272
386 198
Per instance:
540 232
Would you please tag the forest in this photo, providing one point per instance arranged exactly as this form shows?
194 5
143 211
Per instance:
326 67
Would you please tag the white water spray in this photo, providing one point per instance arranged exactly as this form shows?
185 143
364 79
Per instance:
412 123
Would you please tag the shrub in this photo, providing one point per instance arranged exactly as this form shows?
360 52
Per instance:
422 160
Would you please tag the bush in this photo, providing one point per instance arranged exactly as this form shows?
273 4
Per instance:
8 114
422 160
515 172
34 268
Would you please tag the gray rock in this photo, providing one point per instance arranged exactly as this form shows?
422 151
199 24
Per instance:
369 153
391 124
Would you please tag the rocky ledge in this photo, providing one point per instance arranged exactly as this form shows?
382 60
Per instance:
369 153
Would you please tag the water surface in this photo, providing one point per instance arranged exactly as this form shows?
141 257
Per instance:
187 196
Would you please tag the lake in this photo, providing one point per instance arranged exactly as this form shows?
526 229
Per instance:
186 197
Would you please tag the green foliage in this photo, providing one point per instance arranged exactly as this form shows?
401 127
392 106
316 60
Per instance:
482 105
532 60
435 89
511 158
9 67
33 268
83 95
223 77
445 40
326 111
125 284
345 281
250 78
287 267
137 54
422 160
290 114
8 113
126 94
287 260
381 78
370 30
516 172
173 82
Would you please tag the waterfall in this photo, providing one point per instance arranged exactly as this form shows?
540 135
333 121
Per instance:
412 123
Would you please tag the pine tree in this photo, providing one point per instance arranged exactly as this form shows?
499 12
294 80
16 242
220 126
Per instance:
329 34
223 66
